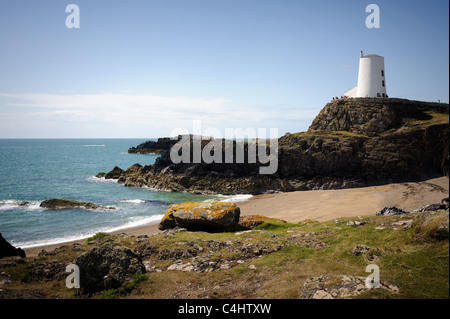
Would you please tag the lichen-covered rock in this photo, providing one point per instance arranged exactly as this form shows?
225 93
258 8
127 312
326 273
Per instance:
168 221
214 216
107 267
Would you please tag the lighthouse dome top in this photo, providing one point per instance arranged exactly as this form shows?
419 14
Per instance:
372 55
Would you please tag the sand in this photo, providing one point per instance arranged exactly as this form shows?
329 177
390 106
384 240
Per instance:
322 205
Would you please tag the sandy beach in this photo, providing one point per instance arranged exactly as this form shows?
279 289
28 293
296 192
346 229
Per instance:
322 205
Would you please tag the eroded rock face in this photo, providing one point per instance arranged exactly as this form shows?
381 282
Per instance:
370 116
107 267
215 216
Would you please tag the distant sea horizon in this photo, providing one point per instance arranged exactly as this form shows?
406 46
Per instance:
35 169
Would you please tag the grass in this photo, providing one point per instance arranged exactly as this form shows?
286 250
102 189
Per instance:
432 118
415 259
125 289
429 118
420 269
96 237
422 273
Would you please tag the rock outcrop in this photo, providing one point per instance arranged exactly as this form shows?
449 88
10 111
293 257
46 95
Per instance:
215 216
114 174
107 267
338 287
58 204
6 249
371 116
391 211
151 147
351 143
444 204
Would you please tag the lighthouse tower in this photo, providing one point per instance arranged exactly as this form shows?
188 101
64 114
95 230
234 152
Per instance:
371 77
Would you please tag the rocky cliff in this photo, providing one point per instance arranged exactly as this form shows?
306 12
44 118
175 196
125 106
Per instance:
151 147
351 143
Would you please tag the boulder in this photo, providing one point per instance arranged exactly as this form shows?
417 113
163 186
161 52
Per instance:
214 216
58 204
391 211
6 249
444 204
107 267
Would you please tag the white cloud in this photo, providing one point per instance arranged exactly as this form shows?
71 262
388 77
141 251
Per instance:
128 115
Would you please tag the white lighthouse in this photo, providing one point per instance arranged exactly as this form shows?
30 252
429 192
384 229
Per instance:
371 77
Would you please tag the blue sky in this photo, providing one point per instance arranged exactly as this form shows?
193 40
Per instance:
142 68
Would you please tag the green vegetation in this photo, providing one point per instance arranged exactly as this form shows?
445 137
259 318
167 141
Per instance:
430 118
411 251
125 289
96 237
23 273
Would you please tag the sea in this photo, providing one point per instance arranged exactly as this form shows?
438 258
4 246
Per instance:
33 170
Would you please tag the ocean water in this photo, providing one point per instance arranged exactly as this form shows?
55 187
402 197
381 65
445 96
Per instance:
33 170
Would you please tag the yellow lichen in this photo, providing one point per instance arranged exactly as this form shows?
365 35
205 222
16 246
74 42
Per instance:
212 210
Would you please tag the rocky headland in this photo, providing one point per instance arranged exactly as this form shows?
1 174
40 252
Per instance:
351 143
151 147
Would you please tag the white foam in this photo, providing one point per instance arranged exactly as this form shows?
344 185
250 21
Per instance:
231 198
135 222
238 198
24 204
132 201
96 179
